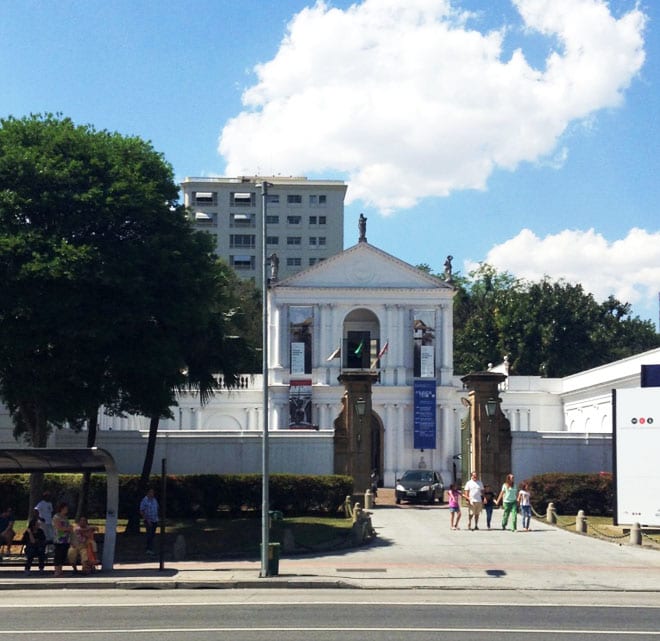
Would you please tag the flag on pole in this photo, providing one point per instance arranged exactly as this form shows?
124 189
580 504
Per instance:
381 353
335 354
384 349
358 349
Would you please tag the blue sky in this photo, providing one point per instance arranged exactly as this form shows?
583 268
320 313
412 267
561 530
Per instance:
524 134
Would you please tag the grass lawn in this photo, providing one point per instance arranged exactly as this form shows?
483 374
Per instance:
216 539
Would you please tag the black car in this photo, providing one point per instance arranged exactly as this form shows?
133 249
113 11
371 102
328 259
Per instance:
420 485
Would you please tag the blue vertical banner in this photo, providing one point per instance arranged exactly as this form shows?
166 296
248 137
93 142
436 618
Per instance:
424 418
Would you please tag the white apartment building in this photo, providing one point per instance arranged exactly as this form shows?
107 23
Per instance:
304 220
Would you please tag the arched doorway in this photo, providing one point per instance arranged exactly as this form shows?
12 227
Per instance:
361 339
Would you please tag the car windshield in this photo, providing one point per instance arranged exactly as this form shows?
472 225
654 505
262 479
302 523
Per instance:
416 475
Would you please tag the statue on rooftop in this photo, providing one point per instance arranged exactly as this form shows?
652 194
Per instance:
362 228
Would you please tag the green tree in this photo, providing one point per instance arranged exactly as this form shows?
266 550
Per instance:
546 328
108 293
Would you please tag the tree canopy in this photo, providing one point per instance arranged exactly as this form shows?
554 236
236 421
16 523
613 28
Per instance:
547 328
109 296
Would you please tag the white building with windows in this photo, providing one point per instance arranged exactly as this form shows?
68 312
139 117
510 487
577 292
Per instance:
365 310
305 220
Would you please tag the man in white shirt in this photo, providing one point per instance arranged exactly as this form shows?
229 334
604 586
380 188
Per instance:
474 495
45 509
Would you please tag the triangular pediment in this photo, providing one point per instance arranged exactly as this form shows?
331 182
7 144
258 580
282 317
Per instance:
363 265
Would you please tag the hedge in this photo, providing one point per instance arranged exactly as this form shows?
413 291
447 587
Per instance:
191 496
593 493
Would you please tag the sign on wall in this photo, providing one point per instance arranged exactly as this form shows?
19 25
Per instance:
424 419
636 434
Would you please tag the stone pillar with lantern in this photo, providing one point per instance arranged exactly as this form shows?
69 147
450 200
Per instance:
489 441
353 435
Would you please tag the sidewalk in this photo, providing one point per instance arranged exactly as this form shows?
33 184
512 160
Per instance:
414 548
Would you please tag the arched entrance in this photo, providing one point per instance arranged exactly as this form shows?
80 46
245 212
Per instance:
361 339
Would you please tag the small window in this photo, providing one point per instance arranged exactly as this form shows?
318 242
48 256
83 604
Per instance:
206 219
322 220
205 198
293 240
293 262
272 220
312 241
272 240
313 220
293 220
312 261
294 199
242 199
321 240
241 240
319 200
273 199
242 261
242 220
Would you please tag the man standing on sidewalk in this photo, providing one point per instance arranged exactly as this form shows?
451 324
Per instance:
474 495
149 512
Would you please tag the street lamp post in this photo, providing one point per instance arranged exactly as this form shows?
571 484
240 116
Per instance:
265 500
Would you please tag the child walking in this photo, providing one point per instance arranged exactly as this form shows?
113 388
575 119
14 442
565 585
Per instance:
525 502
454 498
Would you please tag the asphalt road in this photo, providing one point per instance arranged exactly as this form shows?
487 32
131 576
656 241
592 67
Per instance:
290 615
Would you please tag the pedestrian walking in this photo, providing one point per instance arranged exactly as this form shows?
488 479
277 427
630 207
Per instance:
508 496
149 513
454 499
489 504
473 494
525 502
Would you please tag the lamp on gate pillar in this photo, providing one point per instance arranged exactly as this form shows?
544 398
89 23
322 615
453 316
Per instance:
491 408
360 410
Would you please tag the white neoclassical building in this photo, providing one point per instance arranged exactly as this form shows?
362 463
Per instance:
365 310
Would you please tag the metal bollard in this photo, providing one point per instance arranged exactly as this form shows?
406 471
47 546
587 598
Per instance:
368 500
581 522
636 534
551 516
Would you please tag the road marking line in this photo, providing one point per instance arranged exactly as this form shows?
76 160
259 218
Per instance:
529 631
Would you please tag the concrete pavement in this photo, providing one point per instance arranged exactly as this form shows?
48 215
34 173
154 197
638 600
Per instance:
414 548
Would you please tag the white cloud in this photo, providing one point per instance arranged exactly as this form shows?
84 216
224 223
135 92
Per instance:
408 100
628 268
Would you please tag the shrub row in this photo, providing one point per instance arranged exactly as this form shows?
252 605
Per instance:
593 493
198 496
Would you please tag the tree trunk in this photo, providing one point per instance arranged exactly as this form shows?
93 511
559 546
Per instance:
133 524
83 498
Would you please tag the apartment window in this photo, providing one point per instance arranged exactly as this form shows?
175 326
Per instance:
242 199
294 199
321 241
312 241
273 199
206 219
318 200
242 261
293 240
293 262
313 220
205 198
322 220
272 240
293 220
242 220
241 241
272 220
312 261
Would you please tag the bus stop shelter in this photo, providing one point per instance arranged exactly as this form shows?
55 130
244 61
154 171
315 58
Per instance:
55 460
